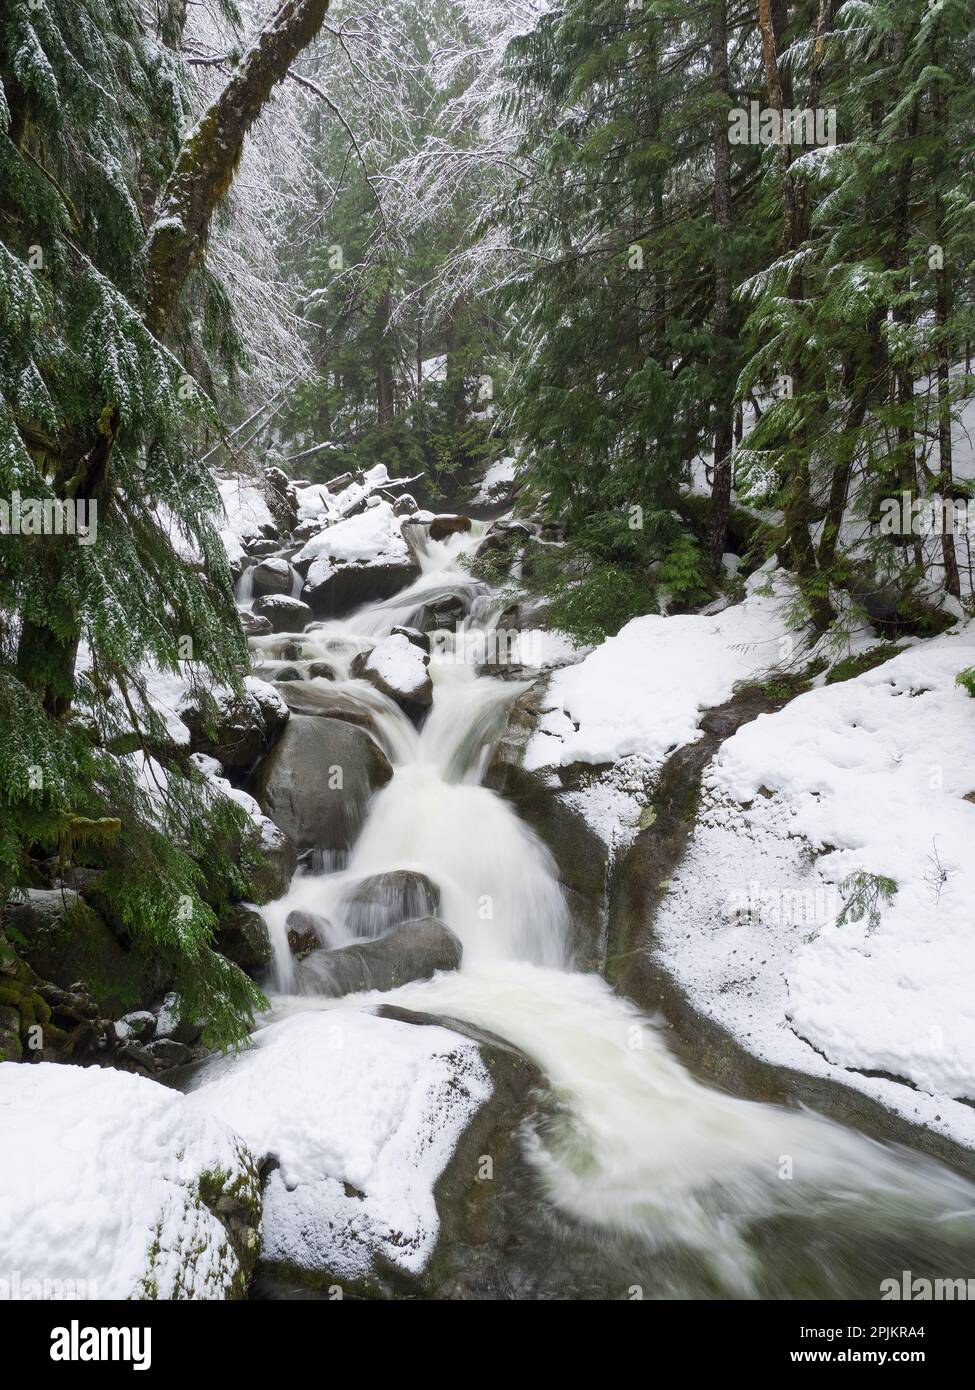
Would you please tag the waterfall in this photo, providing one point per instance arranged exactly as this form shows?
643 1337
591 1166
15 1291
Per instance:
639 1145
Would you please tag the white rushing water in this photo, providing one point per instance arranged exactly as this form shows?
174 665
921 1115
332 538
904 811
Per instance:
638 1145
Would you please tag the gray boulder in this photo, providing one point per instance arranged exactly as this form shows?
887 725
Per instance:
284 614
349 586
316 781
272 576
415 951
381 903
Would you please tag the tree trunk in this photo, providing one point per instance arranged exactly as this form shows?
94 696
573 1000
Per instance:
723 439
796 506
211 152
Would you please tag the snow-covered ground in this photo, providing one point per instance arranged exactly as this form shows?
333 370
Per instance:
363 1115
869 777
640 695
101 1173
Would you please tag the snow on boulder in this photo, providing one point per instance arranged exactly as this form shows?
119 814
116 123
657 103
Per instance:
399 668
116 1187
356 561
363 1115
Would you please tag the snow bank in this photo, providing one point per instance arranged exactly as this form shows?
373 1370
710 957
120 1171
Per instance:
101 1175
246 512
363 1114
870 776
497 479
642 691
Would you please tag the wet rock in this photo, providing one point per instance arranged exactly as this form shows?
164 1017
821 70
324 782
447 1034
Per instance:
279 857
242 936
382 902
288 673
305 932
284 614
443 526
272 576
348 586
320 670
259 549
415 951
255 625
414 635
167 1052
444 615
316 781
332 704
543 799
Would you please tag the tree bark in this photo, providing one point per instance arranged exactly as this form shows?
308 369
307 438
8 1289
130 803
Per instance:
211 152
723 437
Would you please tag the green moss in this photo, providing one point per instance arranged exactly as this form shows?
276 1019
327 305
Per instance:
851 666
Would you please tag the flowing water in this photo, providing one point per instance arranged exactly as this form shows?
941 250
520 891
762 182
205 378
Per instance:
692 1191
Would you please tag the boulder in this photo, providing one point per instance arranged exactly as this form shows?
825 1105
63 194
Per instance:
320 670
279 859
443 526
397 667
382 902
148 1199
333 704
254 625
334 590
167 1052
316 781
234 728
259 549
64 940
242 937
305 932
272 576
284 614
415 951
414 635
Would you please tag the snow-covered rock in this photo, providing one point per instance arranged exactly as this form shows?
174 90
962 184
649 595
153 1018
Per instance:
117 1187
355 561
399 668
363 1115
